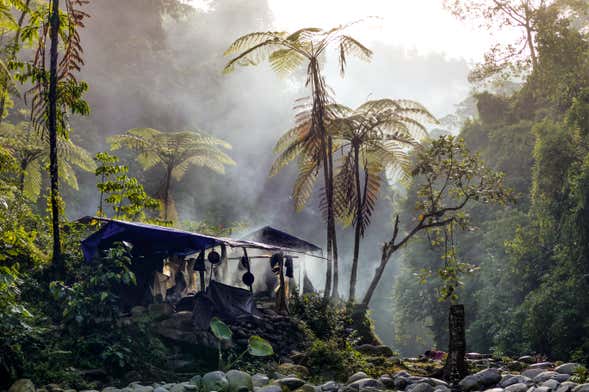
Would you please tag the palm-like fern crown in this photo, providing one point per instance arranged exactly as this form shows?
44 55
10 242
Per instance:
31 149
287 52
176 151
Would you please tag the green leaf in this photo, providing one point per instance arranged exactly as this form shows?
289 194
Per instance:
220 329
259 347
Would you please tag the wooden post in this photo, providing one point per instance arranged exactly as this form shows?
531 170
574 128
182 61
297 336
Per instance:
455 369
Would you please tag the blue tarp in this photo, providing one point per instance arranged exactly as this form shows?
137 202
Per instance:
150 239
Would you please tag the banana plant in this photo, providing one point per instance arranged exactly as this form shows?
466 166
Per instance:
257 346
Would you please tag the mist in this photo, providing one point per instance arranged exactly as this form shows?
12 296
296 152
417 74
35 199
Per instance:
166 73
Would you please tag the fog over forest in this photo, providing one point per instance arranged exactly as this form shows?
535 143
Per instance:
168 76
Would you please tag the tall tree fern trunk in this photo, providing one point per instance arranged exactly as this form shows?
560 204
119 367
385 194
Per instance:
52 126
12 57
358 227
331 219
167 194
319 126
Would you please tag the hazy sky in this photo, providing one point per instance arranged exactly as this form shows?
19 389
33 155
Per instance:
422 25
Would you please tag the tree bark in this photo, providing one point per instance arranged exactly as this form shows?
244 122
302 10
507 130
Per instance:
167 193
331 218
52 126
358 228
455 368
530 37
318 119
13 52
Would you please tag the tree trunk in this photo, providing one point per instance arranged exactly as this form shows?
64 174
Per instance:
455 368
167 193
52 125
21 177
319 126
375 279
530 37
12 56
331 218
358 228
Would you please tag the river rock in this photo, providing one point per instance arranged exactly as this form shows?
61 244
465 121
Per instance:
271 388
531 373
259 380
22 385
581 388
215 381
356 376
387 381
330 386
510 379
292 369
400 383
160 389
420 387
567 368
481 380
542 365
366 383
291 383
517 387
196 380
540 378
552 384
494 390
526 359
566 386
239 381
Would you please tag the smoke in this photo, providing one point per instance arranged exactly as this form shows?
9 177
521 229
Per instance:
168 75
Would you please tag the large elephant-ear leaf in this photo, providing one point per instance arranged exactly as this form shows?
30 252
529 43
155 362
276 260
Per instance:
259 347
220 329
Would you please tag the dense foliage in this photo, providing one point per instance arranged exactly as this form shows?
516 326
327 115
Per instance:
529 294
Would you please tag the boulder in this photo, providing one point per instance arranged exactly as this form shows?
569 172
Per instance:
356 376
160 311
481 380
387 381
22 385
259 380
215 381
196 380
291 383
160 389
539 389
540 378
494 390
420 387
377 351
526 359
291 368
542 365
510 379
271 388
400 383
517 387
531 373
581 388
552 384
567 368
364 383
239 381
330 386
566 386
441 388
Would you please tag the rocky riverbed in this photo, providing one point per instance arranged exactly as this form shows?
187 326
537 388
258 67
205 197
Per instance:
538 377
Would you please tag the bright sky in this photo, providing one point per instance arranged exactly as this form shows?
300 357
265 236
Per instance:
415 24
422 25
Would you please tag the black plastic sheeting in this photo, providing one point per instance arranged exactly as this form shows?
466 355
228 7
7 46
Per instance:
271 236
226 302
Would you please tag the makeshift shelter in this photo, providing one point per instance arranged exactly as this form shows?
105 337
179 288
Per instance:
166 261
